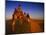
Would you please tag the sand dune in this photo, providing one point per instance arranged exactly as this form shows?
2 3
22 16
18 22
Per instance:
36 25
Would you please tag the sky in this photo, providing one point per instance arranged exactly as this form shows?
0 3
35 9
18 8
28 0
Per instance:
34 9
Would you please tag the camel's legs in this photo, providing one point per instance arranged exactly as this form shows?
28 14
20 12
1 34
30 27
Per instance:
13 26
